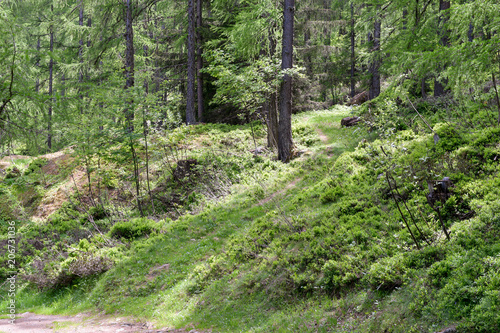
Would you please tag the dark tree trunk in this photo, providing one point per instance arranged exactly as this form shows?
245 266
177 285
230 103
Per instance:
439 86
353 55
80 49
191 71
199 62
51 81
37 84
285 143
80 55
375 64
405 18
129 61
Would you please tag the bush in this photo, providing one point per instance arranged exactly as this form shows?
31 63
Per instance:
35 165
133 229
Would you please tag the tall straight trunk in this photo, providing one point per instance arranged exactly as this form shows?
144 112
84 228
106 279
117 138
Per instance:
439 86
51 81
80 49
285 143
80 55
374 90
129 61
353 55
37 83
199 59
191 71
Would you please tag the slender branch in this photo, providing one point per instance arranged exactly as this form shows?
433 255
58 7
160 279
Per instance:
400 212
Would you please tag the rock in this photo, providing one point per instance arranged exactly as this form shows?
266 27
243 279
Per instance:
349 121
359 98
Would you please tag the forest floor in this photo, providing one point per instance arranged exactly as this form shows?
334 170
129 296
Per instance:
82 323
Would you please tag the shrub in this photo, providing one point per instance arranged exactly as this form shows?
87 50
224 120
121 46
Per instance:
35 165
133 229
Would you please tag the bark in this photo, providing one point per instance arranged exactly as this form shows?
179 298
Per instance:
285 143
375 64
439 86
129 61
80 55
51 79
190 108
80 49
199 59
353 55
37 84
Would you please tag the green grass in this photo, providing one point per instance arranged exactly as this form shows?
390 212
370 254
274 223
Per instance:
317 245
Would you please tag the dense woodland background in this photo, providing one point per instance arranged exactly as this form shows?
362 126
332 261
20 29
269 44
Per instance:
185 163
74 72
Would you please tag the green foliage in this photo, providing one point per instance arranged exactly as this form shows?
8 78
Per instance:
35 166
135 228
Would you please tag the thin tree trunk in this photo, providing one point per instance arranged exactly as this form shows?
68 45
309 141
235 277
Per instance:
129 62
80 49
51 79
285 143
199 62
374 90
191 71
353 55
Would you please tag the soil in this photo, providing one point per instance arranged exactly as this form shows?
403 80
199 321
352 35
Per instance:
322 136
272 196
82 323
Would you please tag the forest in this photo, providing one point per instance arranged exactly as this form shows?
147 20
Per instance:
250 165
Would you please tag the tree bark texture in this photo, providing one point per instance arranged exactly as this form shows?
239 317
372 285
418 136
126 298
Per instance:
80 49
51 82
374 90
439 86
285 143
199 59
353 55
129 61
190 109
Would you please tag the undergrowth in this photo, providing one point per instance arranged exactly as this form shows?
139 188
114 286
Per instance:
389 227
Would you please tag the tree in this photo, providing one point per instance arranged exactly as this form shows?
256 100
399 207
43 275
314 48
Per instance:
199 59
439 84
191 62
374 67
285 143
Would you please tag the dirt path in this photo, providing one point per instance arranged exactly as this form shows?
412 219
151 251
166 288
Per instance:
272 196
33 323
322 136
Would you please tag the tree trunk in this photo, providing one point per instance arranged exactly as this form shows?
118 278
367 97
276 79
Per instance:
51 81
439 86
80 49
190 112
80 55
375 64
285 143
129 62
353 55
199 62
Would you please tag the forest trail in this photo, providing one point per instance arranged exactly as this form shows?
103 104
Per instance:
33 323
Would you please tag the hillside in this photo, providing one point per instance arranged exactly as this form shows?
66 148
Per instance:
345 238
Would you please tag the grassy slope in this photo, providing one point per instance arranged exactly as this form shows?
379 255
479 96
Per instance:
316 245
